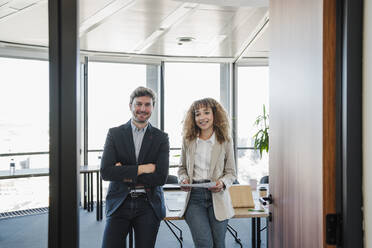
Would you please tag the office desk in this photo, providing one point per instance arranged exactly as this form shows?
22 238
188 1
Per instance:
24 173
239 213
87 172
88 202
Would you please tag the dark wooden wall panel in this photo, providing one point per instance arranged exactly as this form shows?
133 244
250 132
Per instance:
329 110
296 123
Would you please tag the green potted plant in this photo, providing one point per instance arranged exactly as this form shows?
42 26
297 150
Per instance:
261 138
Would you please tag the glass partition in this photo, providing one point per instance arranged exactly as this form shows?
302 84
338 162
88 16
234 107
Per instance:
24 132
24 148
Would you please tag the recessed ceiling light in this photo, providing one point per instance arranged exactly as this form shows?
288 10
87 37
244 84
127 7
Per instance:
185 39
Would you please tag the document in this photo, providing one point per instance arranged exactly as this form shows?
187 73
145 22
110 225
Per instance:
175 200
199 185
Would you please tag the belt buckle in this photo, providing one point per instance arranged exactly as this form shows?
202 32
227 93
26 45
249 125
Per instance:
135 194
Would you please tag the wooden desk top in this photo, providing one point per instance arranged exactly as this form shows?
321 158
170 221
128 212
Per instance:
239 212
247 213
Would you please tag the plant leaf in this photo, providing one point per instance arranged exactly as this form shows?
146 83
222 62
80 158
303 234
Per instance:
261 137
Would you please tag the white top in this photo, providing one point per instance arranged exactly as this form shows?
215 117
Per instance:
203 158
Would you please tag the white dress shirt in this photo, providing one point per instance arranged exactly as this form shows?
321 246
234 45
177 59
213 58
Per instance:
138 135
203 158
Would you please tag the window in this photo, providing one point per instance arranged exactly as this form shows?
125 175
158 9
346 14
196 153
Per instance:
185 83
24 128
109 89
253 88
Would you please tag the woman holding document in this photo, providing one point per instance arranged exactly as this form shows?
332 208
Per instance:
207 156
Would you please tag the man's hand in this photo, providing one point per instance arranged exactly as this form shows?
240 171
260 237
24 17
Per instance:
146 168
185 181
219 186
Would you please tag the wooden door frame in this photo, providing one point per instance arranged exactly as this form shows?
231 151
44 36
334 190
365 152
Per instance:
330 130
342 118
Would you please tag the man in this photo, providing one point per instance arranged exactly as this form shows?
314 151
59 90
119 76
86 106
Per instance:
136 162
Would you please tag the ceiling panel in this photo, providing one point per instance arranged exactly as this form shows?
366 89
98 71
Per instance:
21 4
6 11
260 46
204 26
217 34
147 27
27 26
87 8
244 33
124 30
235 3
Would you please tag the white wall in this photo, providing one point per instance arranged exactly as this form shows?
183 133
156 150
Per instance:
367 123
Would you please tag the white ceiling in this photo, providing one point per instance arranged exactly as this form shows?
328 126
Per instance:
149 27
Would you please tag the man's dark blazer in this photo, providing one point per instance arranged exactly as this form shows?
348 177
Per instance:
119 147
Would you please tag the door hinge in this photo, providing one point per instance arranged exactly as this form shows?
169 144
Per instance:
333 229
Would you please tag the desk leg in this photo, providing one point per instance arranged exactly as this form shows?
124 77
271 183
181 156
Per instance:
91 191
100 196
267 231
98 201
180 238
254 244
258 232
88 192
234 233
85 190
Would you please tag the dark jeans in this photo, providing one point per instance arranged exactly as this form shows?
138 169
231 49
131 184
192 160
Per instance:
135 212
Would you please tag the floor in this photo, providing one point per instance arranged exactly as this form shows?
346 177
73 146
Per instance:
31 232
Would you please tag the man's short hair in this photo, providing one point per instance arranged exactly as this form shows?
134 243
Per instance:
143 91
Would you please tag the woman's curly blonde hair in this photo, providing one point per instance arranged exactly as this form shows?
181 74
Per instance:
221 125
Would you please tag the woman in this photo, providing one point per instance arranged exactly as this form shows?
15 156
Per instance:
207 156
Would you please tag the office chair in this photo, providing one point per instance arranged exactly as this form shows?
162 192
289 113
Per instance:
172 179
264 180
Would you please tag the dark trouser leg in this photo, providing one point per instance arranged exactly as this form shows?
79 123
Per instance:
115 233
146 224
117 226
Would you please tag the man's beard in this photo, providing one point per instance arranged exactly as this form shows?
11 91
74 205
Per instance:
136 119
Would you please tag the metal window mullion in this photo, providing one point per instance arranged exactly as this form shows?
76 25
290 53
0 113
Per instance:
225 87
85 111
234 109
162 96
153 82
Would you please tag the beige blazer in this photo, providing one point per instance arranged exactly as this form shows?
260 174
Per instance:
222 167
